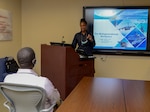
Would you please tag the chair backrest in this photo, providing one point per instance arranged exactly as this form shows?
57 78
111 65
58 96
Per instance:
23 98
2 68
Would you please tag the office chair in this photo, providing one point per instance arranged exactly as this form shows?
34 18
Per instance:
24 98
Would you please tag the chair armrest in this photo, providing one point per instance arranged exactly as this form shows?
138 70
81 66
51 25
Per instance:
8 106
48 109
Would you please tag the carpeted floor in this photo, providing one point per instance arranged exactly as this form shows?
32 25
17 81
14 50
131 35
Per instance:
2 108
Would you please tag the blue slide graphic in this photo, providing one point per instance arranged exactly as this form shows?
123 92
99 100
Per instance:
120 28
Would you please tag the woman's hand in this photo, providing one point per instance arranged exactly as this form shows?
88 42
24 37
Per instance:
89 37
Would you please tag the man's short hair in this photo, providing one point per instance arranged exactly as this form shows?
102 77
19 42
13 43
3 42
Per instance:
26 57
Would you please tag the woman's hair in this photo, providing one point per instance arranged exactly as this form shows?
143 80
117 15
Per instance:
83 21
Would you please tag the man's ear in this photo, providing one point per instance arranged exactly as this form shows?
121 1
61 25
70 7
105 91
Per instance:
34 61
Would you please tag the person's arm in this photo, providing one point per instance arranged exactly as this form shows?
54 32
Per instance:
91 39
52 93
74 42
93 43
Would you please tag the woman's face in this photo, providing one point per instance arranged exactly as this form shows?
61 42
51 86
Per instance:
83 26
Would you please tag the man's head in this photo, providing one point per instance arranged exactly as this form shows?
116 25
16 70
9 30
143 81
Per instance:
26 58
83 25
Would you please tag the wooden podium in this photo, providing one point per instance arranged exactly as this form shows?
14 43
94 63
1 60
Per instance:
62 65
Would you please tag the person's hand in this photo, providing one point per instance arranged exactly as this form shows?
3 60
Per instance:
89 37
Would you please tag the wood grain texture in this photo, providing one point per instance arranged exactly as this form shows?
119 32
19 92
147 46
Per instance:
137 96
62 65
108 95
95 95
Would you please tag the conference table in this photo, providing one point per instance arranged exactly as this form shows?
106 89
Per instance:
108 95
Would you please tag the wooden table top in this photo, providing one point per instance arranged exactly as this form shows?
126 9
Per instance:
108 95
137 95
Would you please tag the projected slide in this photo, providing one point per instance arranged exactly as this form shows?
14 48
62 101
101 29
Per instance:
120 28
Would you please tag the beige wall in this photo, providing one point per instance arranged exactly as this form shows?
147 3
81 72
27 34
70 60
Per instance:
9 48
48 20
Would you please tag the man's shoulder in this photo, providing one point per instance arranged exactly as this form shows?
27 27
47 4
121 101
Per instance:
44 78
11 77
45 81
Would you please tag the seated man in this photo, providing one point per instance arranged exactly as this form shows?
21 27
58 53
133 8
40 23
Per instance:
25 75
